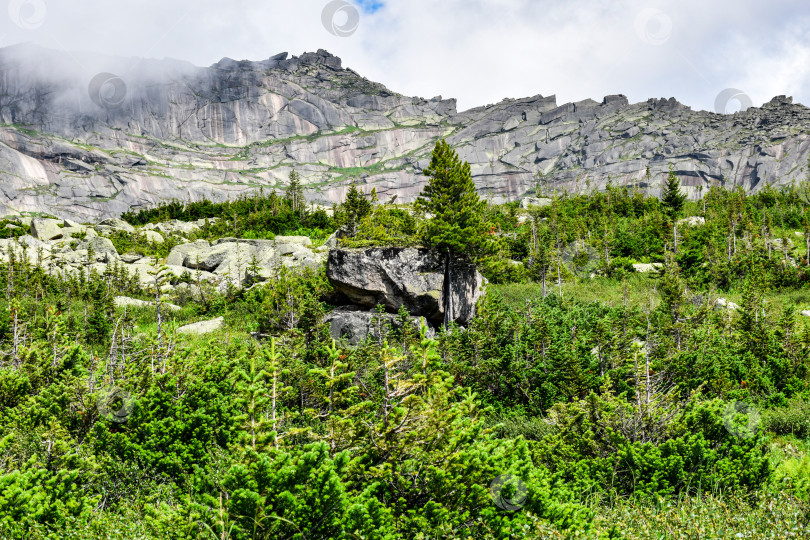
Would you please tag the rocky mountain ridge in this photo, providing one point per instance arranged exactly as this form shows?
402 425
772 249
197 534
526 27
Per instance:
111 134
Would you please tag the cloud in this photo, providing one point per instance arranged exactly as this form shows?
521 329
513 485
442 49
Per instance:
478 51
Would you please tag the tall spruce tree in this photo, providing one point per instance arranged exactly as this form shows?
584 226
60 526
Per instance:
457 227
295 192
673 198
355 207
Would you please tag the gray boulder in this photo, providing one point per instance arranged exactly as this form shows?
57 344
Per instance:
527 202
188 252
125 301
233 258
103 248
409 277
46 229
153 236
116 224
300 240
202 327
353 324
693 221
646 268
723 304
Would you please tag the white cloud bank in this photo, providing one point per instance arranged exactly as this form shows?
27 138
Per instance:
478 51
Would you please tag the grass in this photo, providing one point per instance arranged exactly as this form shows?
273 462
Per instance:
768 514
599 289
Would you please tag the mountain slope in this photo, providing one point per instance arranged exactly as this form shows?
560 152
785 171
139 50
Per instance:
75 147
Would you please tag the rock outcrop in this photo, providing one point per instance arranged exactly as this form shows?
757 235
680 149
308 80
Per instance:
184 132
70 248
409 277
235 259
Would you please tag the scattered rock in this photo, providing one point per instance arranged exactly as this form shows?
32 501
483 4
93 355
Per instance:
202 327
527 202
693 221
246 260
806 313
409 277
645 268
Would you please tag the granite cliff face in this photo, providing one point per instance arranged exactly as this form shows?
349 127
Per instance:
89 137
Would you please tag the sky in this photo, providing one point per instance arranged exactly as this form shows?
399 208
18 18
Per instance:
716 55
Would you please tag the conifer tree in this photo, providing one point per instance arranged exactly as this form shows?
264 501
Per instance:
457 227
672 198
295 192
356 207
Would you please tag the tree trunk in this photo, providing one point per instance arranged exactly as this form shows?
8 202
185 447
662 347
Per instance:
447 289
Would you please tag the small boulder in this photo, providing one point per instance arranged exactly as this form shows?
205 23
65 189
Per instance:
130 258
202 327
722 303
153 236
125 301
693 221
645 268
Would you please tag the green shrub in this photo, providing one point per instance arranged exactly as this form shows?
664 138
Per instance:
794 419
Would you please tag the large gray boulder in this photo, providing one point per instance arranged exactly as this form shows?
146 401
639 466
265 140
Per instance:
46 229
103 248
409 277
235 258
353 324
